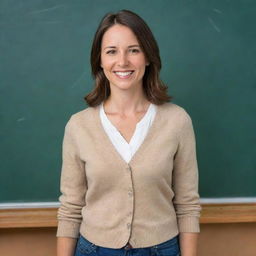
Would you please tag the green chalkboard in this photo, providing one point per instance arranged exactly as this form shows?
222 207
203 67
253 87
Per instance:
208 51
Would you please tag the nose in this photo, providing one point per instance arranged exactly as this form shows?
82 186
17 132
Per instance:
122 59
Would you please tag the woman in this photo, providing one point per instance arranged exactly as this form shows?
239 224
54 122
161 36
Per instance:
129 174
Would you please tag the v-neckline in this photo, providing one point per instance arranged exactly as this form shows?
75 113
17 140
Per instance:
137 126
103 136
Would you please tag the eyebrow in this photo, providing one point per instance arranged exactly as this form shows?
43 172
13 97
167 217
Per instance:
130 46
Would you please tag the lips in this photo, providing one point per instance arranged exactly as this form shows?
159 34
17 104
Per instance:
124 74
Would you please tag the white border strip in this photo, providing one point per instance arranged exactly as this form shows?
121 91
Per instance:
227 200
29 205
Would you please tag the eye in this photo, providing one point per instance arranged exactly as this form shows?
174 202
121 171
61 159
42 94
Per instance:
111 52
134 50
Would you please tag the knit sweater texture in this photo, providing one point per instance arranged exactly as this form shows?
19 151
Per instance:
146 201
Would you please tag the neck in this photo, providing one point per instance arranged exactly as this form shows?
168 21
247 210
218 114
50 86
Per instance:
126 104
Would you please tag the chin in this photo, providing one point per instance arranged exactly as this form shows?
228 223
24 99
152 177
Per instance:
124 86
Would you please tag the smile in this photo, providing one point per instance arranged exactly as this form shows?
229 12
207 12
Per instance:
125 74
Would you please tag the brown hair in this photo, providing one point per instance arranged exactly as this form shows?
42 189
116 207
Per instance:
155 90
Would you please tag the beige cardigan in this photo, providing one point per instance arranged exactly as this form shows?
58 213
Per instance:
147 201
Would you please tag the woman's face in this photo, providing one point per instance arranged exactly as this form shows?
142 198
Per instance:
122 58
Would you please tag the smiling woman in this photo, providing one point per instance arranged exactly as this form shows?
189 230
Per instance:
122 59
141 43
129 175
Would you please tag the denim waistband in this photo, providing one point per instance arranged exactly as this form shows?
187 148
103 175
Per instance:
169 247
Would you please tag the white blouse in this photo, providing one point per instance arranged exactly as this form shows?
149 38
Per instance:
125 149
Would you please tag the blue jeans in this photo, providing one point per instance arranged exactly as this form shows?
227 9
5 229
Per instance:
168 248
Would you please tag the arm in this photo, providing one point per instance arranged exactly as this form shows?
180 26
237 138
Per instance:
66 246
188 244
185 186
73 187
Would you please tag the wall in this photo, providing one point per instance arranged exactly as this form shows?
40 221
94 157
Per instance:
215 240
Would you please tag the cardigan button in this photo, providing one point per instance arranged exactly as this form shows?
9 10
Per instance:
128 168
128 225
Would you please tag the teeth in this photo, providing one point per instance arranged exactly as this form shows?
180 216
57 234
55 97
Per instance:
123 73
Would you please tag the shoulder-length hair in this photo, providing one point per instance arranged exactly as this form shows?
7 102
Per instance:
155 90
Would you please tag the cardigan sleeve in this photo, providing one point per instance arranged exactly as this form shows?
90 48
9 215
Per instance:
185 179
73 186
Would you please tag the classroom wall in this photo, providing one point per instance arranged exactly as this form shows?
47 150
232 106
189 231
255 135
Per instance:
215 240
206 49
208 56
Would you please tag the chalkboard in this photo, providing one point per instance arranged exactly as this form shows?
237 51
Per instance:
208 51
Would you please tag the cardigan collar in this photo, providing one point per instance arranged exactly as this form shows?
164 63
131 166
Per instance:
149 139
